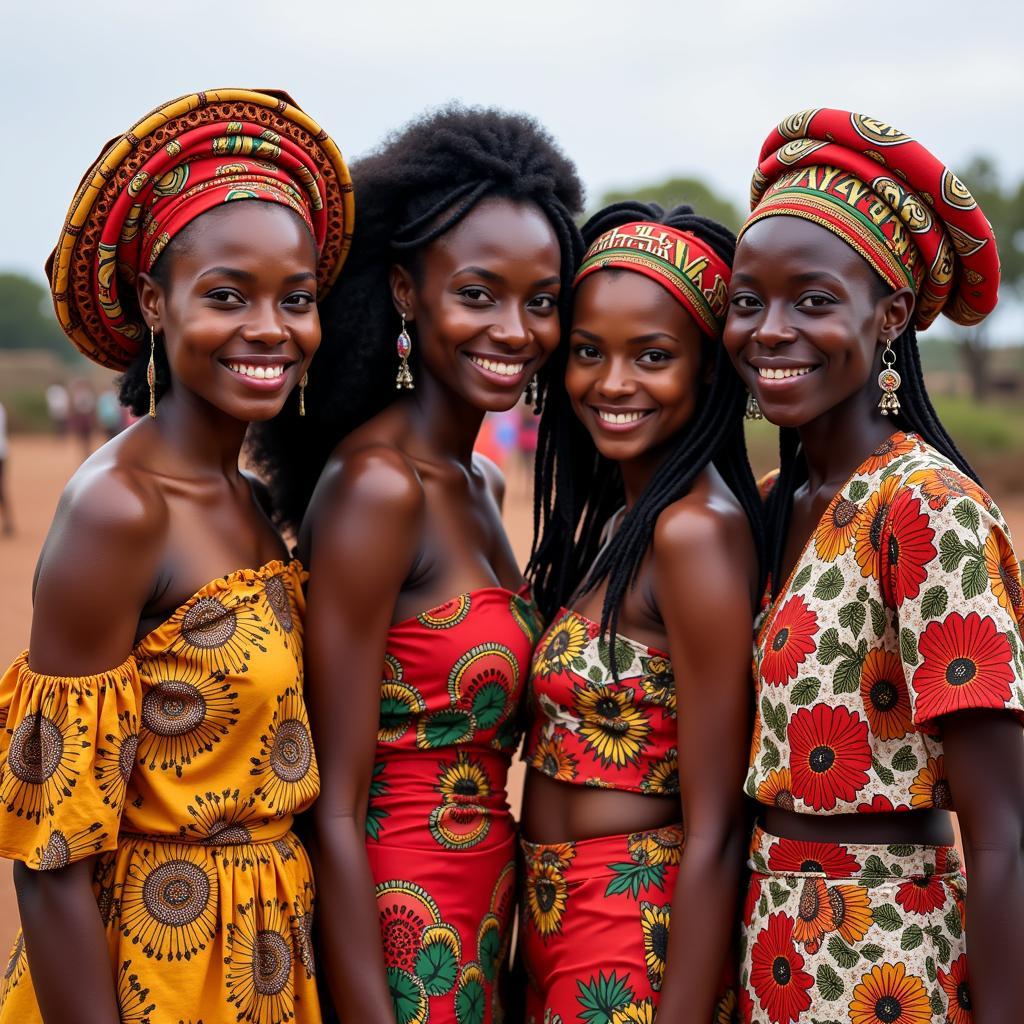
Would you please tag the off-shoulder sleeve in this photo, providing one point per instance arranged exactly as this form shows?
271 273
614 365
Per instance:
950 573
67 747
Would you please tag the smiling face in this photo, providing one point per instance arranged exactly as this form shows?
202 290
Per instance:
634 367
236 307
805 318
484 302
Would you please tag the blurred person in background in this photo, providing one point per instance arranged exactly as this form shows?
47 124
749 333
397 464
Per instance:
82 416
58 407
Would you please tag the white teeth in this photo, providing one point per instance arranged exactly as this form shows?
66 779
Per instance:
257 372
505 369
767 373
620 417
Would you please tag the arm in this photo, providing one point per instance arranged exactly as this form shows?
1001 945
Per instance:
494 478
984 753
703 568
94 577
364 541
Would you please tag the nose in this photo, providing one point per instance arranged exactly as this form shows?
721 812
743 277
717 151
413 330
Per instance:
616 381
774 327
510 328
265 325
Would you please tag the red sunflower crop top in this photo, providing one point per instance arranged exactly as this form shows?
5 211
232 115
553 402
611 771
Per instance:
587 729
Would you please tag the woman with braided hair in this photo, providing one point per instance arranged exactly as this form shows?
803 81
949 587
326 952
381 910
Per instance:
639 699
420 630
888 663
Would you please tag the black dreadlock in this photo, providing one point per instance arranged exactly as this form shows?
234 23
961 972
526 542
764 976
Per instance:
916 414
422 182
577 490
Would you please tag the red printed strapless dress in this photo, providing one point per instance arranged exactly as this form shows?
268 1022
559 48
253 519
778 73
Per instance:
440 835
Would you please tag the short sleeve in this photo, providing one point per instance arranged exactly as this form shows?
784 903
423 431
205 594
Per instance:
949 572
67 749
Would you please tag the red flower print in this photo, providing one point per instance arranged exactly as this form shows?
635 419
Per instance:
815 916
800 855
958 993
907 548
790 639
942 485
829 755
753 895
966 664
777 974
921 894
880 805
888 451
867 547
883 692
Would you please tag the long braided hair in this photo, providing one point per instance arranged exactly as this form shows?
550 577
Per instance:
916 414
577 490
421 182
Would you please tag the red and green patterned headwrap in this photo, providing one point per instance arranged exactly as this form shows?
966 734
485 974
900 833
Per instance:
692 272
890 199
181 160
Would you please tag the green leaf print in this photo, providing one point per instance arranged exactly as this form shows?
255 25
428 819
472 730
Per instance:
942 944
966 514
852 617
883 773
437 968
635 878
952 921
904 760
847 676
597 674
771 758
830 985
934 602
470 1000
801 579
901 849
623 656
887 917
762 906
912 937
375 815
407 996
445 728
950 550
858 490
488 704
828 646
974 578
601 997
878 622
842 954
929 966
829 585
779 893
776 717
805 691
908 647
872 952
874 871
937 1004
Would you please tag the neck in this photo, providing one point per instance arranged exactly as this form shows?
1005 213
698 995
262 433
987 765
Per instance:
446 424
637 473
198 435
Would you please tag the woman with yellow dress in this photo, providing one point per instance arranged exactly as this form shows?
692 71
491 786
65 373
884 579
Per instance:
155 742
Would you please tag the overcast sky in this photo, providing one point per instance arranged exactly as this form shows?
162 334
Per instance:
635 90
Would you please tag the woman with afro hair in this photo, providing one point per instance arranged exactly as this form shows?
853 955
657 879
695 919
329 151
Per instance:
420 630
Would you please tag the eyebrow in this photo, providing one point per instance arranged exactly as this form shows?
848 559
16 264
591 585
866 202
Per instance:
245 275
490 275
804 278
640 339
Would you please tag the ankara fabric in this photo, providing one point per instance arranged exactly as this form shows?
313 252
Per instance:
180 770
862 933
179 161
891 200
441 840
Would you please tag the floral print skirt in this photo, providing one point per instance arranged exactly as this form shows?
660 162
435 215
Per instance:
865 933
594 923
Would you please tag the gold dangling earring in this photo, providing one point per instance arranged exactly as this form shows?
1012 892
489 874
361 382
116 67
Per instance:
889 380
303 381
404 346
151 373
753 410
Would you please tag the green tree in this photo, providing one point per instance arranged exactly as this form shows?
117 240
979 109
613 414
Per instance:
26 316
671 193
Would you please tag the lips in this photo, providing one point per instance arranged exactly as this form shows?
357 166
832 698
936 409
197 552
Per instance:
257 372
619 420
261 373
499 369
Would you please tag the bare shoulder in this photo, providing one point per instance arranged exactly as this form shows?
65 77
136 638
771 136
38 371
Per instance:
494 478
704 523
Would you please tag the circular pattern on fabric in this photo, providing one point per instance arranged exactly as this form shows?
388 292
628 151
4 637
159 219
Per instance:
57 853
208 624
405 910
277 598
173 708
793 126
292 751
446 615
955 192
459 826
176 893
272 963
398 704
36 749
444 729
877 132
408 996
126 755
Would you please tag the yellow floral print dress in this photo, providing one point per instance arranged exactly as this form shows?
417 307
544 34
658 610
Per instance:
179 771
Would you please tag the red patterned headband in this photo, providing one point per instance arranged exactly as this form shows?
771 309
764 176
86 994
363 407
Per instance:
692 272
888 198
178 162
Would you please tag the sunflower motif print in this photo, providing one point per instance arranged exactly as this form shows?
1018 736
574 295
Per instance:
440 837
180 772
905 605
589 728
872 934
